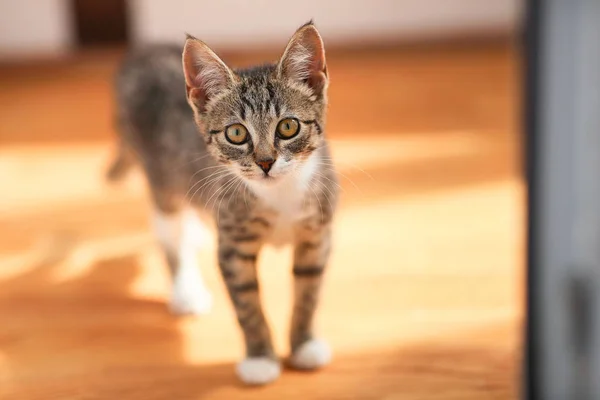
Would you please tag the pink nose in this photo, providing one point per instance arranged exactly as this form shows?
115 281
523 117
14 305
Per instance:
265 164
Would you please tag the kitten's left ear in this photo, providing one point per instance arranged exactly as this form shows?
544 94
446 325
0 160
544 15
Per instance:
304 59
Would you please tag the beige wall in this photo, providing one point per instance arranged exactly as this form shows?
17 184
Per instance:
230 23
34 27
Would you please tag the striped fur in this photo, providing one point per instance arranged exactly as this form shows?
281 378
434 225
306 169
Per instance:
179 139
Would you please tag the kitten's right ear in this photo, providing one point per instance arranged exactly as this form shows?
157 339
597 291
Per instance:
206 74
304 59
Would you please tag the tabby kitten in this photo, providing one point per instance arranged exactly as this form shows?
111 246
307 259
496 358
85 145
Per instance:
246 147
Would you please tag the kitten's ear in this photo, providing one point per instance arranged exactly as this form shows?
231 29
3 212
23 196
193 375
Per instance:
304 59
206 74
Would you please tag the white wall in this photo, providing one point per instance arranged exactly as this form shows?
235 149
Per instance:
34 27
44 27
228 23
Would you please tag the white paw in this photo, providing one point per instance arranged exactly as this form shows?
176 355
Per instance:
187 299
311 355
258 370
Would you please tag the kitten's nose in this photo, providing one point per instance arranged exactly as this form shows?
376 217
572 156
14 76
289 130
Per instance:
265 164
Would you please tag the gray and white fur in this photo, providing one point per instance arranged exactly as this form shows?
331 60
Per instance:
247 148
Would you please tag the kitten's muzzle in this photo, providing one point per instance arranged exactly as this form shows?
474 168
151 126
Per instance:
265 164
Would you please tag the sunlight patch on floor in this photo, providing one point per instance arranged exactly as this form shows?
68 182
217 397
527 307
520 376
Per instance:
384 148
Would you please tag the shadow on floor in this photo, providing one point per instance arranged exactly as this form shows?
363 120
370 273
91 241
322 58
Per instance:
88 338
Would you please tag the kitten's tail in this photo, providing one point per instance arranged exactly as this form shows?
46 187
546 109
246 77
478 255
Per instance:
120 165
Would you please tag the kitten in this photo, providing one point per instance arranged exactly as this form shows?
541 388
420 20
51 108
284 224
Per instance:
248 148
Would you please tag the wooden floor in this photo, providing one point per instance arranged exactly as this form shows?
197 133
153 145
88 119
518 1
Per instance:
423 298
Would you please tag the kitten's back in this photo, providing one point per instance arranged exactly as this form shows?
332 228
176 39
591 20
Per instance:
149 82
153 118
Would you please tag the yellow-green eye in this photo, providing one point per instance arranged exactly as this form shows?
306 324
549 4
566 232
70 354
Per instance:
236 134
288 128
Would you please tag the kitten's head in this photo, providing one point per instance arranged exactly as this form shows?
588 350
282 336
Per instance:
263 122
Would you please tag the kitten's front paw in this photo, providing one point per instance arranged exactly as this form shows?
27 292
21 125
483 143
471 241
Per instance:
258 370
189 300
312 354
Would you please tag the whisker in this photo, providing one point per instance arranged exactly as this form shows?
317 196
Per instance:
217 191
294 173
326 196
327 187
319 201
235 190
245 199
230 185
208 176
223 196
333 162
347 164
192 161
216 177
204 169
341 174
330 180
214 184
212 175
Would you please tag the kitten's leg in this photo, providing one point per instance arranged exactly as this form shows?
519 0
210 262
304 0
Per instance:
310 257
177 234
237 261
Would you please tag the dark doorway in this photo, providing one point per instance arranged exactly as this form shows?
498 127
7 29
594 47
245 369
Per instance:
100 22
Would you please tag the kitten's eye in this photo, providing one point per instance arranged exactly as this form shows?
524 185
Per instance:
236 134
288 128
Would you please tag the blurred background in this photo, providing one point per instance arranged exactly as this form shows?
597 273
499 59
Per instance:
423 298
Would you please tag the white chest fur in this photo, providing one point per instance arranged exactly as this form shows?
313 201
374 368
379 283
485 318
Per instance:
287 199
